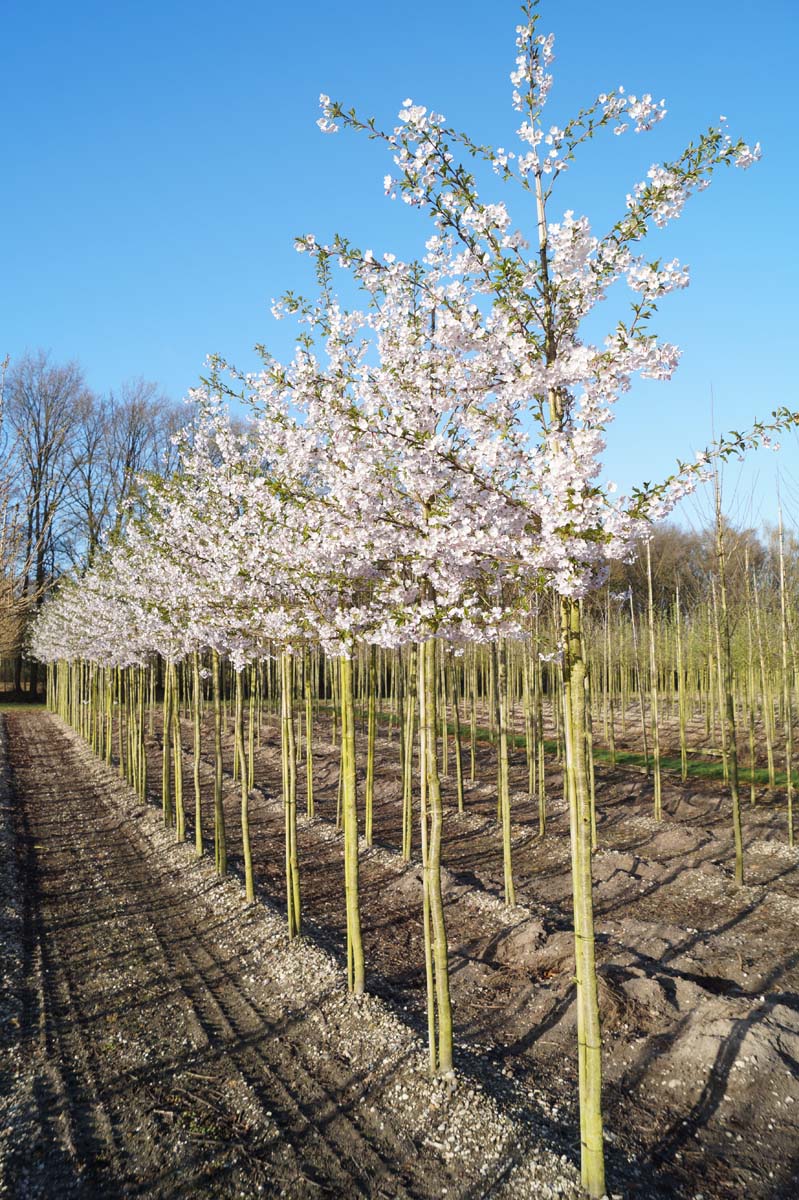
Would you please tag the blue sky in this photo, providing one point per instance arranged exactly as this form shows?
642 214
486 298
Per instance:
159 158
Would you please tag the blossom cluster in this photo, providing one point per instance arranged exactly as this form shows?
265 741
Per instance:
426 461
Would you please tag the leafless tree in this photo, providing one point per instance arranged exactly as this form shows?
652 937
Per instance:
44 405
122 439
11 621
71 470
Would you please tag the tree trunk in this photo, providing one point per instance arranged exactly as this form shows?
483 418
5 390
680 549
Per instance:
589 1038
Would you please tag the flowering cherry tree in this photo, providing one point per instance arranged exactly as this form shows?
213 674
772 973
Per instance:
537 291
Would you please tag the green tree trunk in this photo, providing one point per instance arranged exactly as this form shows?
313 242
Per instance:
589 1037
220 843
197 716
432 820
355 960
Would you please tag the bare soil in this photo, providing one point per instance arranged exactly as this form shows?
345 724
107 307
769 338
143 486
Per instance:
161 1039
699 994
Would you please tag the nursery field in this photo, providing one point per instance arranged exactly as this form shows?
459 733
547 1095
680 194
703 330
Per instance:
163 1039
411 811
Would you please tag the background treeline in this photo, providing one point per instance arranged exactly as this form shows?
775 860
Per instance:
688 559
71 465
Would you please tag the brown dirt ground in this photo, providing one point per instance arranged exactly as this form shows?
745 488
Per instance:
700 979
161 1039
